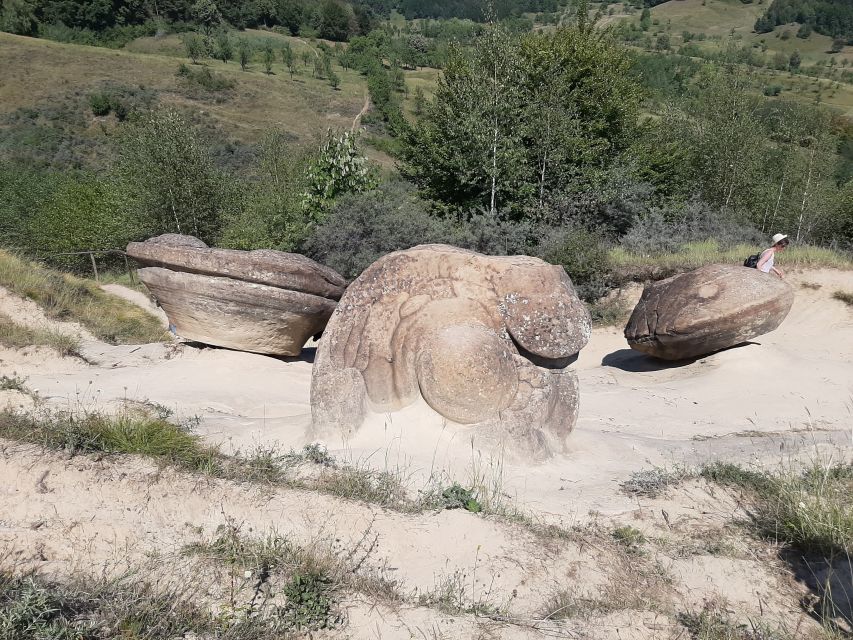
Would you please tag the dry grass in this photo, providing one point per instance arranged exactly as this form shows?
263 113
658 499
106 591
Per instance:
713 622
312 577
33 70
845 296
17 336
141 431
130 606
634 582
696 254
66 297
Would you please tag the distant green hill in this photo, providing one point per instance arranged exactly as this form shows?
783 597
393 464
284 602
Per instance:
829 17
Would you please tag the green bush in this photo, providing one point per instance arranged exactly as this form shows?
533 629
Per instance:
84 213
585 257
100 103
166 169
360 228
204 79
309 600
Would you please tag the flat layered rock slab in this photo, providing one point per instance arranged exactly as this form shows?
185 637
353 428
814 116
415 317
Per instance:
237 315
263 301
263 266
702 311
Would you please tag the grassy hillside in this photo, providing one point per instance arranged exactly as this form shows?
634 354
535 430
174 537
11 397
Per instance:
33 71
712 17
715 25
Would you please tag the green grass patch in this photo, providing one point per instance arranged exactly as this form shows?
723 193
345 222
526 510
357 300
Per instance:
66 297
16 336
142 432
845 296
127 433
811 511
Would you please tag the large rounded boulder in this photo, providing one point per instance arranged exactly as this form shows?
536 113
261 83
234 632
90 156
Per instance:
485 342
706 310
260 301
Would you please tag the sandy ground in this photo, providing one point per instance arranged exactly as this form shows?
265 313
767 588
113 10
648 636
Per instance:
784 397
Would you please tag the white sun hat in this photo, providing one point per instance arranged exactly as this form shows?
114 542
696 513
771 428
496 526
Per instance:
778 238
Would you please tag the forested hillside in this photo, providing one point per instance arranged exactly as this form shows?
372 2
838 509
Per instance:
118 21
584 134
829 17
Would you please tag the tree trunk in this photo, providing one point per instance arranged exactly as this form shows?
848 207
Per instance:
806 194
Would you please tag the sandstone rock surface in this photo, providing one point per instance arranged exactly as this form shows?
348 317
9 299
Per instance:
484 341
261 301
702 311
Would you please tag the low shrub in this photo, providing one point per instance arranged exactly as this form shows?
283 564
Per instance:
585 257
362 227
204 79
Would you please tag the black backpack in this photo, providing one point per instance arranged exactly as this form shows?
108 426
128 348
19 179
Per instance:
752 261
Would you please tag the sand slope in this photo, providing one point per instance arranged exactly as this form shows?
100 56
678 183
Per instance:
785 396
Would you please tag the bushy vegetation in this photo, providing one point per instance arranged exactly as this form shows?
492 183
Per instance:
116 22
810 510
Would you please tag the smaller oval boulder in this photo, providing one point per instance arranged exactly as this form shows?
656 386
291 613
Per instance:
706 310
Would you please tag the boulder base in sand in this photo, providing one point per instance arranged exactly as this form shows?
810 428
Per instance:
702 311
261 301
484 341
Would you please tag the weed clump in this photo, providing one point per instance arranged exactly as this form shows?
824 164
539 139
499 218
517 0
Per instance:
631 538
458 497
653 483
17 336
309 601
845 296
13 383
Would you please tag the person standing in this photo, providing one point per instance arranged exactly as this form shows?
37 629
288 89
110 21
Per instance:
766 262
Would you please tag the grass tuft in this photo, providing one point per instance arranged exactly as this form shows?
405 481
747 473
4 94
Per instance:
653 483
845 296
811 511
126 433
713 622
13 383
66 297
16 336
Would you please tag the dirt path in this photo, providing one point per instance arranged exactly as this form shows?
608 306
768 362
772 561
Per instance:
357 120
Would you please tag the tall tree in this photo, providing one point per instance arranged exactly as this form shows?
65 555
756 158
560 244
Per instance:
516 120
